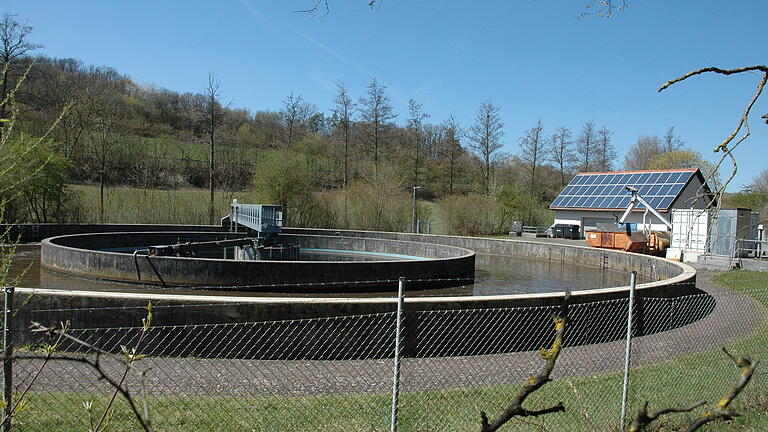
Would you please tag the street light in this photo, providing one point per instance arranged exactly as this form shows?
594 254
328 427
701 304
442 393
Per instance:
414 208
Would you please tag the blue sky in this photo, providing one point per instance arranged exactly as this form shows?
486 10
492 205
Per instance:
533 58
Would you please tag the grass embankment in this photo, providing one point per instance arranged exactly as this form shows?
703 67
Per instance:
153 206
592 402
182 206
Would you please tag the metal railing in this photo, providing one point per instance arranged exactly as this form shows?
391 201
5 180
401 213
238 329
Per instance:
751 249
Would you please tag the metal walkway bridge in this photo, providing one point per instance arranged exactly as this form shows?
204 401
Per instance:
265 219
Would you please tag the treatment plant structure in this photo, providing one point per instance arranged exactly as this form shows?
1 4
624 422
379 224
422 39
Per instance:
215 289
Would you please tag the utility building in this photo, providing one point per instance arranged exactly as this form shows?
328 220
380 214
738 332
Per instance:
602 197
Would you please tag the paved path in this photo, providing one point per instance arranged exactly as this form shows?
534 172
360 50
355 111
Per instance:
734 316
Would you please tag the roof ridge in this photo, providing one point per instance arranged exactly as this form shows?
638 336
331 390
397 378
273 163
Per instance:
638 171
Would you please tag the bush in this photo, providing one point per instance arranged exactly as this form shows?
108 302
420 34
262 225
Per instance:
472 215
281 177
376 203
515 204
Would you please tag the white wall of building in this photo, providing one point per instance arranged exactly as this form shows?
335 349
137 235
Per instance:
579 217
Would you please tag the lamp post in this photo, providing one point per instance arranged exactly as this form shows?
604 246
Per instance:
414 208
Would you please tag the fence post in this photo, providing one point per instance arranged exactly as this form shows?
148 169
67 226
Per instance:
398 342
8 359
628 349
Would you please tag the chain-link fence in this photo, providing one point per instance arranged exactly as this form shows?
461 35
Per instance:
339 374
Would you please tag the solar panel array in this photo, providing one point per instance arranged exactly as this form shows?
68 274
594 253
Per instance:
607 190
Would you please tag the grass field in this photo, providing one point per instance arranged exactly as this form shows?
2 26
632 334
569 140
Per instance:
153 206
592 402
179 206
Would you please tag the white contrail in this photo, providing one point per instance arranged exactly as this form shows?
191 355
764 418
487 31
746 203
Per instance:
397 95
330 51
263 21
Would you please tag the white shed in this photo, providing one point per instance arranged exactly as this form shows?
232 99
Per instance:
596 197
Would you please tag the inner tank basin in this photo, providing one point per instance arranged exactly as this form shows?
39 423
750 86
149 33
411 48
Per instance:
318 263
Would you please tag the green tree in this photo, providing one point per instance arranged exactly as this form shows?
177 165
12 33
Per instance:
687 159
280 178
44 197
15 154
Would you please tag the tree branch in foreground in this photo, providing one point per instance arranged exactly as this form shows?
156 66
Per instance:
721 410
534 383
758 68
644 418
129 359
319 5
603 8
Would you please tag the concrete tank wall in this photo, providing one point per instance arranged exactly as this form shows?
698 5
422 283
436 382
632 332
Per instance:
424 317
38 232
365 329
83 255
650 267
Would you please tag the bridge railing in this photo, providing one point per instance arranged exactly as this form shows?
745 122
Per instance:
260 217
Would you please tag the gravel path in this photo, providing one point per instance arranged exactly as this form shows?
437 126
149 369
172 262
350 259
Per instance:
226 377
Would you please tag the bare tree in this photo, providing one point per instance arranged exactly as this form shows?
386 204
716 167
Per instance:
670 142
295 117
376 113
452 149
106 131
585 146
760 182
642 152
214 118
485 139
560 152
605 152
14 44
343 114
81 87
532 149
415 121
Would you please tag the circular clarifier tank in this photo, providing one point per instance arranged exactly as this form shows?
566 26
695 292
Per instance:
84 278
330 264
